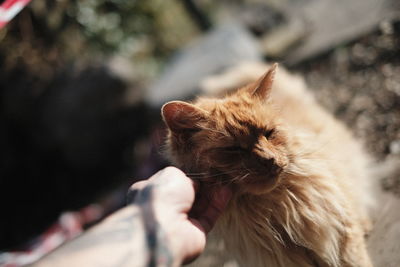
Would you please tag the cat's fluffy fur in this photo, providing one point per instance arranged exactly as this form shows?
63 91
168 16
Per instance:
300 179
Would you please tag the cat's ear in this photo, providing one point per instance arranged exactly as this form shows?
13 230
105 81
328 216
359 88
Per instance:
180 116
264 84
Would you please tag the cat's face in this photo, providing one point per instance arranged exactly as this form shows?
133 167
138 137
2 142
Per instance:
237 139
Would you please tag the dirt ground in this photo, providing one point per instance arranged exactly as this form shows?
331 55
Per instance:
360 84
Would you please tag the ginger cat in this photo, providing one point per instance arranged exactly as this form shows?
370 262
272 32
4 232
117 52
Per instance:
299 178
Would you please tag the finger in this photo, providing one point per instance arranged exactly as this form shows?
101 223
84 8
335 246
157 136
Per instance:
217 205
209 217
134 191
172 180
165 182
139 185
196 185
193 246
174 189
200 204
221 197
167 174
207 220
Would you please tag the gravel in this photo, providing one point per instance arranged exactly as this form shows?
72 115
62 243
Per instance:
360 83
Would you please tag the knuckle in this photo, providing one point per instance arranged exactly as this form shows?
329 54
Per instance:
173 175
138 185
170 170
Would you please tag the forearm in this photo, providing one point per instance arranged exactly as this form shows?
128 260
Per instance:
120 240
154 231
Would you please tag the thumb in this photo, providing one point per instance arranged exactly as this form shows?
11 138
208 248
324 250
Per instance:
219 200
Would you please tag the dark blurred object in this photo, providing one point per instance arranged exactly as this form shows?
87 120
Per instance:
63 144
68 134
201 19
261 18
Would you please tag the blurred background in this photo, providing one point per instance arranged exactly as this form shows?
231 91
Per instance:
82 82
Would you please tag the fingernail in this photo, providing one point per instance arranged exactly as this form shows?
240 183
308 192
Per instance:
224 194
196 185
206 224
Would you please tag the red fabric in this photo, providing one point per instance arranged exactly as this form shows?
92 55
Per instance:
9 3
68 226
9 9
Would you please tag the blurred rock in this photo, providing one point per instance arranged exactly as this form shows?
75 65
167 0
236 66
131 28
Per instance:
277 42
260 17
335 22
223 47
395 147
383 242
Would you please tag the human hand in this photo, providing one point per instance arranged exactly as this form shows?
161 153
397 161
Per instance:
169 199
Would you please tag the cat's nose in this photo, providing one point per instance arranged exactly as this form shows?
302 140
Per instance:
269 163
263 156
263 152
266 160
269 166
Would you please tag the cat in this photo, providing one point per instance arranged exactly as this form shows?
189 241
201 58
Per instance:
300 179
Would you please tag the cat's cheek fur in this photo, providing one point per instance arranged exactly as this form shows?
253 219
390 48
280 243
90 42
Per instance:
259 185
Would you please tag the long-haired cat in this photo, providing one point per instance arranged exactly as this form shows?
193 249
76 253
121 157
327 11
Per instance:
299 178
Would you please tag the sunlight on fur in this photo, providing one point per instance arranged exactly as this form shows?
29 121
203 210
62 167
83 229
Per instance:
300 179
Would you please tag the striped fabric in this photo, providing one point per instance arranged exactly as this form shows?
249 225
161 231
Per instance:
9 9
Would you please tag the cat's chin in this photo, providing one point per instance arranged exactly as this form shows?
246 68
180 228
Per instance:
259 186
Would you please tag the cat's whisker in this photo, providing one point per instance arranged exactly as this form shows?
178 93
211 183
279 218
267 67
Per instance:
198 178
220 174
244 176
240 178
206 175
196 173
244 166
224 173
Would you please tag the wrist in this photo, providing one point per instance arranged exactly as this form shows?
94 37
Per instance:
158 236
184 236
170 232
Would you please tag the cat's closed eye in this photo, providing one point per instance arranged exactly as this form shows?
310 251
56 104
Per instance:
233 149
268 133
